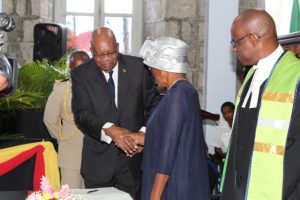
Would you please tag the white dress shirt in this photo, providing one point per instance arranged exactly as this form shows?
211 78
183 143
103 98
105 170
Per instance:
221 137
115 75
262 72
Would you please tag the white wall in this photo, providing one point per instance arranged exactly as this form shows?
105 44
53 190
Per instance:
220 63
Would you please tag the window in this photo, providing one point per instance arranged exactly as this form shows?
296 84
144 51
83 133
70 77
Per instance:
281 11
124 17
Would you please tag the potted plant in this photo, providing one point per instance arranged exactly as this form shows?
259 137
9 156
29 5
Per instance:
26 106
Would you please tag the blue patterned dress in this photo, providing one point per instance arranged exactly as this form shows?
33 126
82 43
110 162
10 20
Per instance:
174 146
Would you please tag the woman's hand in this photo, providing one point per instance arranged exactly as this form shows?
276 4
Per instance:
158 186
138 139
118 136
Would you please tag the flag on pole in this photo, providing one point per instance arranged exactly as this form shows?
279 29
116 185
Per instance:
295 17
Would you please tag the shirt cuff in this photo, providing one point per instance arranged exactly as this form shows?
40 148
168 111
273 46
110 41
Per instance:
143 129
105 138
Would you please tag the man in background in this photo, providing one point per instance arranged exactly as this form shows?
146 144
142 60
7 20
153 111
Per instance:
59 120
223 132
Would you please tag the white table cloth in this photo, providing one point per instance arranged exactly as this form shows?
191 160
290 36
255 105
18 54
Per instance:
109 193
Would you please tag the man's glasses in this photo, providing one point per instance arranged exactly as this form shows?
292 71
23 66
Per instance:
102 56
234 43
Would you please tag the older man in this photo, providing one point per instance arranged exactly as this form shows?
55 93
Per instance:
263 161
111 95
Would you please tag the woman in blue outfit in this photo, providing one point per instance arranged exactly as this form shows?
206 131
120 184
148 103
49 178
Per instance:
174 164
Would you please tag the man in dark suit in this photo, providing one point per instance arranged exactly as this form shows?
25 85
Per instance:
112 94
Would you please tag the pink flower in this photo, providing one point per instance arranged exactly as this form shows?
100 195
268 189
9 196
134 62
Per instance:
64 192
47 193
34 196
46 186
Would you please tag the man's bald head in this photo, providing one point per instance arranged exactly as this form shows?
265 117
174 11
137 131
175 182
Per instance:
257 22
104 48
77 58
103 33
254 36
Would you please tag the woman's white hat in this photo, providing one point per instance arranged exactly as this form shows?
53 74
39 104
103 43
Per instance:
166 54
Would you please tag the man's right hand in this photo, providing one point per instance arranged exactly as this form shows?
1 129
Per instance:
138 139
117 135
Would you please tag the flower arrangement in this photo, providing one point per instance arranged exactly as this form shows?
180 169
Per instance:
47 193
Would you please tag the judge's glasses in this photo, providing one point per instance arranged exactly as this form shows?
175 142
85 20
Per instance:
234 43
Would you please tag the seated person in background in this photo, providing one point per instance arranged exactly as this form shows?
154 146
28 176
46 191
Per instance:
222 136
59 120
220 141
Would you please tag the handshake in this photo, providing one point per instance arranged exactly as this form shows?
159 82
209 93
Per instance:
130 142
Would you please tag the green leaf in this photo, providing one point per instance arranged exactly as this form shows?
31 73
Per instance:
35 83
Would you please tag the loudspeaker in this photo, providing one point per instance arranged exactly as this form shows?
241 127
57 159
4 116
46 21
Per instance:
50 41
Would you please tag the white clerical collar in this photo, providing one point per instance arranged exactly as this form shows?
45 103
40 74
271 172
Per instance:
262 72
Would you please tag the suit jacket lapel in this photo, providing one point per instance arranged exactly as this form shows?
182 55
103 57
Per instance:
123 82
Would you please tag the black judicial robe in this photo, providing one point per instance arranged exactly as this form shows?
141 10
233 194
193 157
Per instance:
242 141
